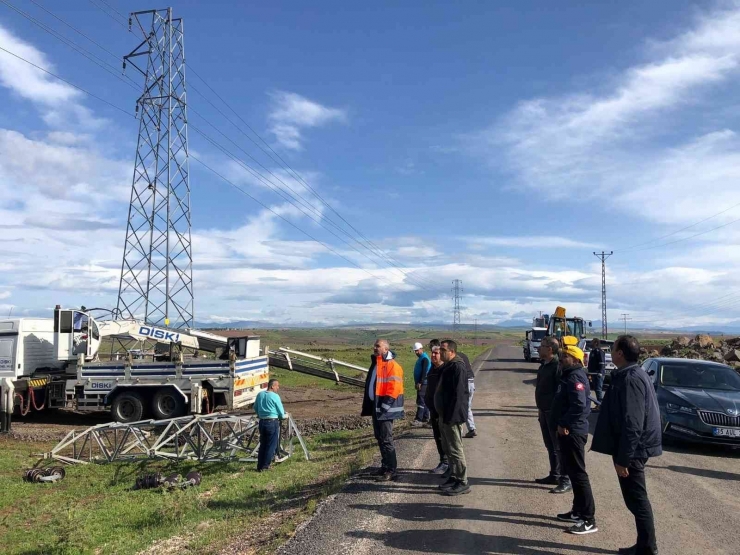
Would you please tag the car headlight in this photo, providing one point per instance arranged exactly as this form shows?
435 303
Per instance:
675 409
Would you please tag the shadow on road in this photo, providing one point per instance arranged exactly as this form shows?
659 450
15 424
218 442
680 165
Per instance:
703 472
478 413
462 542
514 370
433 480
424 512
525 407
687 448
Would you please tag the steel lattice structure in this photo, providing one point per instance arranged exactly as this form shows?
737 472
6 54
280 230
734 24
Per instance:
456 294
156 272
604 327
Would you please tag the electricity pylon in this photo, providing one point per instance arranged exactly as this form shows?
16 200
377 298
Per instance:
157 269
604 327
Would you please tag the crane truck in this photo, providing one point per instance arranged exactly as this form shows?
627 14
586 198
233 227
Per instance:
55 363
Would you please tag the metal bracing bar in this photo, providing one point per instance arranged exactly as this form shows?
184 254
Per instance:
326 360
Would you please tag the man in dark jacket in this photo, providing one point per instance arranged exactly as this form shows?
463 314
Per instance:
383 401
597 368
570 409
432 381
629 430
548 378
451 402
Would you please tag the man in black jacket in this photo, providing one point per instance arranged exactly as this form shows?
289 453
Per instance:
629 430
432 381
570 409
597 368
451 402
548 378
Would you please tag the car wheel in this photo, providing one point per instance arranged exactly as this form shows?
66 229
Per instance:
128 406
167 403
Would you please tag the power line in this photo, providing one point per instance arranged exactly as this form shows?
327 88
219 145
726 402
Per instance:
109 14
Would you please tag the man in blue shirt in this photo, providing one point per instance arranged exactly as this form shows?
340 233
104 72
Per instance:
269 409
421 371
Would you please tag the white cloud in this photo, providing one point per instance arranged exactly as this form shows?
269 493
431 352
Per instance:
637 137
527 241
292 112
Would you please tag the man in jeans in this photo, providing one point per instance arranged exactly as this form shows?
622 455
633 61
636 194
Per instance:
451 402
470 375
421 371
269 409
629 430
570 409
548 379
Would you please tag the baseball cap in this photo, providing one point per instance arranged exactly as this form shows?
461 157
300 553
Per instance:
418 346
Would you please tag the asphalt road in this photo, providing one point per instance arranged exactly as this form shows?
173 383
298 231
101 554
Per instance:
695 491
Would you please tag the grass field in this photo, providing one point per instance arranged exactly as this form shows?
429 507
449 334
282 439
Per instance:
94 510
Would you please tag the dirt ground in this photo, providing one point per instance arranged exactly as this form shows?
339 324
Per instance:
315 410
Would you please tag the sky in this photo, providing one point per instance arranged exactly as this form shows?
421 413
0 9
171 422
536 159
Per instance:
498 143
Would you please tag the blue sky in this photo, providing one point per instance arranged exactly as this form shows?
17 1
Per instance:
497 143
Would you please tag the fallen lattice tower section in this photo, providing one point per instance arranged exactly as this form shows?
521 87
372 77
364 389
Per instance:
216 437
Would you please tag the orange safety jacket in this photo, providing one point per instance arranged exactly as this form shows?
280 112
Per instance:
384 389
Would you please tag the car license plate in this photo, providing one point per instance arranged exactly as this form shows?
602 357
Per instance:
728 432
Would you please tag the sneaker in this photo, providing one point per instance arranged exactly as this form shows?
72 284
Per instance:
627 550
549 481
387 476
570 516
417 423
441 468
457 489
471 433
562 487
448 484
585 527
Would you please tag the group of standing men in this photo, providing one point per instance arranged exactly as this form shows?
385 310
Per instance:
445 384
628 429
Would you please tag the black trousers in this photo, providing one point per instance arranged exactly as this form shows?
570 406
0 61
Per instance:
634 491
384 434
434 420
422 411
573 450
550 436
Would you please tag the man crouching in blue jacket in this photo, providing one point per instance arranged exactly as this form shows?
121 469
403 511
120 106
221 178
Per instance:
570 410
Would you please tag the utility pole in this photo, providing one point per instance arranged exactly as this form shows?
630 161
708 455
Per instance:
156 281
456 294
604 327
625 318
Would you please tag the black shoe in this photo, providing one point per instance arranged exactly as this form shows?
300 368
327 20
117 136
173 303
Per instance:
585 527
562 487
380 471
448 484
458 489
570 516
387 476
471 433
627 550
550 480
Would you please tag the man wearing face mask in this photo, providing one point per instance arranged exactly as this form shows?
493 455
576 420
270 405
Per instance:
383 401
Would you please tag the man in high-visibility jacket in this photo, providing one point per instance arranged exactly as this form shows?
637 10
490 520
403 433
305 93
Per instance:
383 401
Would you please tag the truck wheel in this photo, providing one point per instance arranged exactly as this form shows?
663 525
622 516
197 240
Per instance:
128 406
167 403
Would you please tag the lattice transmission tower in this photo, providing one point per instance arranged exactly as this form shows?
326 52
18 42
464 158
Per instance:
603 256
456 295
157 269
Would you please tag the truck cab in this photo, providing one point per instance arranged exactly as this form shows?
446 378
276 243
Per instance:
533 338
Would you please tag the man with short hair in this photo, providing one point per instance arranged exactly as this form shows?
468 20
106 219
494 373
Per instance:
383 401
629 430
597 368
548 379
570 410
451 402
270 411
421 371
432 382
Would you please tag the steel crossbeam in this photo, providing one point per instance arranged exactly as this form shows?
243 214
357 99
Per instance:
216 437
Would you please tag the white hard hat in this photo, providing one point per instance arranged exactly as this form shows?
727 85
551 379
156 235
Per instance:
418 346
